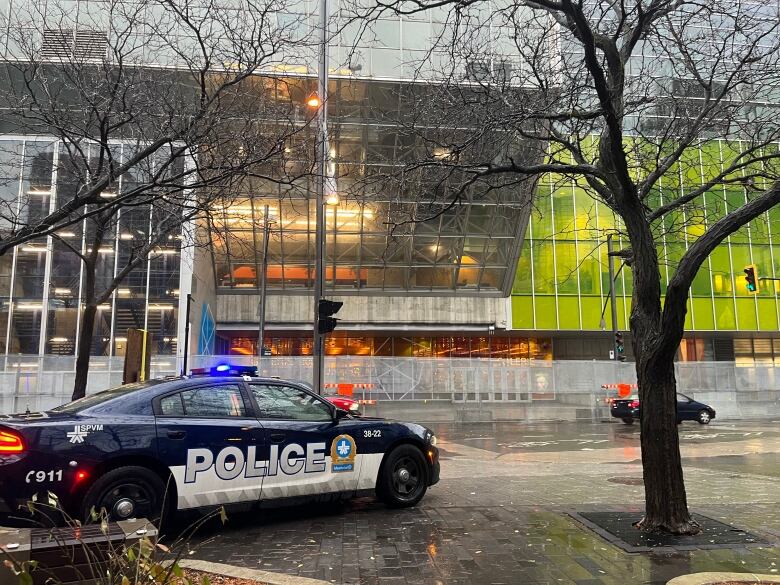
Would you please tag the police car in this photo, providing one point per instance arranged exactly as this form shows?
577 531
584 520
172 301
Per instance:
227 437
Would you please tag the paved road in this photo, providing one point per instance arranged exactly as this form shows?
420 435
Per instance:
498 514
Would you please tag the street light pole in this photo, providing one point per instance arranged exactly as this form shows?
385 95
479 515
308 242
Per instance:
261 306
322 166
611 263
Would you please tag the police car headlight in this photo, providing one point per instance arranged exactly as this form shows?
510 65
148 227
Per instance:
432 440
354 407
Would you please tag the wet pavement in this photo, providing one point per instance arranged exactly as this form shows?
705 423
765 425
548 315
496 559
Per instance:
500 513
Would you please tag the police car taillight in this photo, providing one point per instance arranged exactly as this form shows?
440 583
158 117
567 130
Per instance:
10 442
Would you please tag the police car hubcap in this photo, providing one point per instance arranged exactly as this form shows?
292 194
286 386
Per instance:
124 508
406 477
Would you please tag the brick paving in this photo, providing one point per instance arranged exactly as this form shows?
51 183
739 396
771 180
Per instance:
499 514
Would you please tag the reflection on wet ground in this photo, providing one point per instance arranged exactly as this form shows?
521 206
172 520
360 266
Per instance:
499 513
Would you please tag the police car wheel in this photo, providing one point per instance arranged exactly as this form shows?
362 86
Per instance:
126 492
404 478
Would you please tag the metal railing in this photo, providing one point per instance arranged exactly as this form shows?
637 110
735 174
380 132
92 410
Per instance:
564 389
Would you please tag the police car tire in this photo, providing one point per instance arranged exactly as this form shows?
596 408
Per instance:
386 489
112 479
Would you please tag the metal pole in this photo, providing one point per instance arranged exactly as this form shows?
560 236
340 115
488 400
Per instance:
261 307
611 263
186 336
322 153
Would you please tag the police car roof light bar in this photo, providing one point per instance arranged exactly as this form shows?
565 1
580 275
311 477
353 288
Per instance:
233 370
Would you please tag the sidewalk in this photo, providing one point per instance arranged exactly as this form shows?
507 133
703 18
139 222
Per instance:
499 516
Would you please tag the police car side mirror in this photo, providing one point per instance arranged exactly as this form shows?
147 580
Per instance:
339 414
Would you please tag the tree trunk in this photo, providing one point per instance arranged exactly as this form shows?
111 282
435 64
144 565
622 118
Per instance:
666 505
85 349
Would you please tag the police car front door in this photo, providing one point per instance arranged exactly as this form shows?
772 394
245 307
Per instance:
212 445
306 452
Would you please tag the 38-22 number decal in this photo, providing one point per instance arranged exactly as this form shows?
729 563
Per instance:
372 434
41 476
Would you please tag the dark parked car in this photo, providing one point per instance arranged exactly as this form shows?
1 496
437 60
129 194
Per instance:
628 410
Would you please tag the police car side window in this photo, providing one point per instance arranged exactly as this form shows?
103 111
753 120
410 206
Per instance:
205 401
285 402
172 405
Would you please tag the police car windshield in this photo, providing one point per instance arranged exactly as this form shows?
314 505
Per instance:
101 397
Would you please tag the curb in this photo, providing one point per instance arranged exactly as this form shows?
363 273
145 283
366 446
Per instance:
246 573
713 578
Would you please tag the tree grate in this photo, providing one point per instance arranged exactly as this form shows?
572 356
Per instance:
618 529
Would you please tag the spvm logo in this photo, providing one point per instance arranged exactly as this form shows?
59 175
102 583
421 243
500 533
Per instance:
80 432
342 454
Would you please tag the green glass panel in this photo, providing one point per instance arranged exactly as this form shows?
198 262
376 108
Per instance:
724 314
709 155
767 314
720 271
523 281
607 219
585 220
544 267
522 312
591 312
774 220
746 315
566 266
568 312
563 209
702 314
702 282
541 214
714 202
545 312
674 251
735 198
589 268
688 316
759 230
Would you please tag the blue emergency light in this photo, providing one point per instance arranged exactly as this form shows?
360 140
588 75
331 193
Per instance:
225 370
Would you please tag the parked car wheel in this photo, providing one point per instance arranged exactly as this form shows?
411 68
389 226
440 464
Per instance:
404 480
628 420
125 492
704 417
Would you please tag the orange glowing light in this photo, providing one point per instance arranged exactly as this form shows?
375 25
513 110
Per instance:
313 101
10 443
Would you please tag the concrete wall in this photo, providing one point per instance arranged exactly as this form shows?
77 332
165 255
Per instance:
376 310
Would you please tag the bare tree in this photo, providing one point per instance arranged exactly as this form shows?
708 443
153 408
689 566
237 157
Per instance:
140 88
622 99
171 105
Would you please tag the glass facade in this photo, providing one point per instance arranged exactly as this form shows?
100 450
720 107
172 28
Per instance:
41 281
562 281
430 346
374 240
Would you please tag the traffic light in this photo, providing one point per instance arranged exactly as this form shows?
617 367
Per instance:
325 311
751 279
619 347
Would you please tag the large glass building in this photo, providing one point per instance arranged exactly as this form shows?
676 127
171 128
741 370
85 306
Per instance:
41 281
492 276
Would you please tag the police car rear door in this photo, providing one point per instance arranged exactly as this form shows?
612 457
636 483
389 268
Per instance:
209 437
300 435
